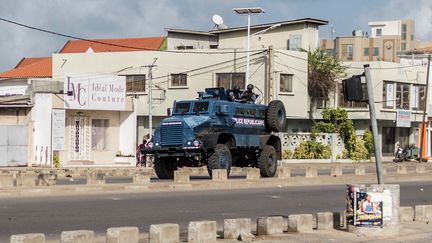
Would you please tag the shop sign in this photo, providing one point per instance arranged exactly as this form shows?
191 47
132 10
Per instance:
403 118
95 92
58 129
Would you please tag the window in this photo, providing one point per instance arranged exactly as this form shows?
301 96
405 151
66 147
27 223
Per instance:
135 83
99 134
418 97
201 106
286 82
352 104
229 80
181 107
366 52
184 47
388 95
294 42
179 80
378 32
404 31
376 51
403 46
347 52
402 96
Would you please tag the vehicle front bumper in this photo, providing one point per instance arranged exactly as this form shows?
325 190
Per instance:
173 151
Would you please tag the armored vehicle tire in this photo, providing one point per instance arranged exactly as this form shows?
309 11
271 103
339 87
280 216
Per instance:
267 161
220 159
165 167
276 116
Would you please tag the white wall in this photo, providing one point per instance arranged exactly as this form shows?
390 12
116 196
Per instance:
41 118
14 87
388 27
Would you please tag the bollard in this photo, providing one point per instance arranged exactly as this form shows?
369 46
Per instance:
420 169
202 232
6 180
311 172
300 223
336 171
81 236
360 170
233 228
95 178
47 179
122 235
401 169
140 178
181 176
324 220
283 172
423 213
270 225
28 238
253 174
27 179
406 214
164 233
219 175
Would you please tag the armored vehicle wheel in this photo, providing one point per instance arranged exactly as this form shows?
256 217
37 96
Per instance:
165 167
276 116
220 159
267 161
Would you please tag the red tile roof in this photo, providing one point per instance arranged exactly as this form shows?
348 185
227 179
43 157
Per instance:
31 68
114 45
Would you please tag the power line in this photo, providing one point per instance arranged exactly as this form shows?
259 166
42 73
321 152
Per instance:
118 45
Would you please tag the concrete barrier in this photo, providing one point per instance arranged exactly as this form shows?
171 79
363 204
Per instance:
77 236
140 178
253 174
28 238
270 225
233 228
283 172
300 223
202 232
219 175
47 179
311 172
182 176
95 178
420 169
406 214
27 179
6 180
164 233
401 169
423 213
359 170
324 220
122 235
336 171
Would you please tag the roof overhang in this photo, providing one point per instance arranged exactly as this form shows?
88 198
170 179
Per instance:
193 32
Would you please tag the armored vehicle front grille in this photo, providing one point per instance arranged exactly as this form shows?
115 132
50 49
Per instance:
172 134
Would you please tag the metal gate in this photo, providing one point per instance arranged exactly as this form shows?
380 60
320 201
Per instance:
13 145
79 138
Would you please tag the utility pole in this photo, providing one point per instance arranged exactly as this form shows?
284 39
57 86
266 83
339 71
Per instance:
268 87
150 97
423 124
374 124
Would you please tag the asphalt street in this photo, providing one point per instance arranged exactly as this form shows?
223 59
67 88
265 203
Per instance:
51 215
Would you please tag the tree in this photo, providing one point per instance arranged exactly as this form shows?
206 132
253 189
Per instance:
323 71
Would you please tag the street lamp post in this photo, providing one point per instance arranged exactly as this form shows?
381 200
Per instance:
248 12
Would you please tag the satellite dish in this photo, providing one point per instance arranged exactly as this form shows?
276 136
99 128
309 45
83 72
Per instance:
217 19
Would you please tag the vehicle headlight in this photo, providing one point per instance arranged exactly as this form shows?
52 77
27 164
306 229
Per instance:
157 144
196 143
150 144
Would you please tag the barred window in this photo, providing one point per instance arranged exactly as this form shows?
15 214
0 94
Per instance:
135 83
179 80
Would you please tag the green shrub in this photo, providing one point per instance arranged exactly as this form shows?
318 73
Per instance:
56 161
312 150
359 151
287 154
368 140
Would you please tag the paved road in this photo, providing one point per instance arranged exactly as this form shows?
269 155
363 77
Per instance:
51 215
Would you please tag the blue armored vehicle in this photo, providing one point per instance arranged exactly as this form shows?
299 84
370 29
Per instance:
219 132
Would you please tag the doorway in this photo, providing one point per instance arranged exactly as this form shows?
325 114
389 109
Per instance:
388 141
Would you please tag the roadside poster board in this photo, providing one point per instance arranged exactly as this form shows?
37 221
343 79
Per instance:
365 208
58 129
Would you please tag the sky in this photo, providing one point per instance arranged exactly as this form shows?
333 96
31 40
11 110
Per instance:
96 19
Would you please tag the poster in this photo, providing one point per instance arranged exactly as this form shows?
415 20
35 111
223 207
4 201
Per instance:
368 210
389 95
